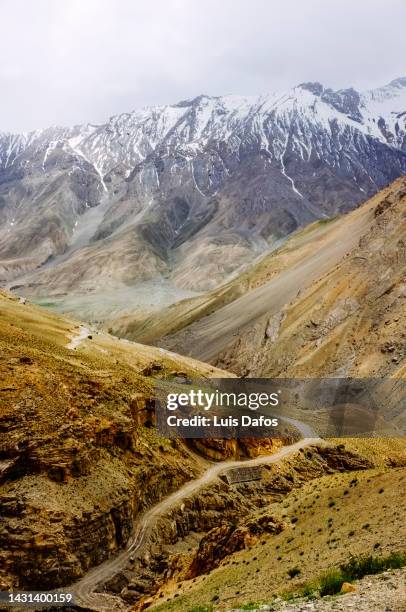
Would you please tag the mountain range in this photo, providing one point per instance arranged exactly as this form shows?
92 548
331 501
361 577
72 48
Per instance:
251 234
164 202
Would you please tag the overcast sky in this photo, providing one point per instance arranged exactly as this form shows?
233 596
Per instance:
73 61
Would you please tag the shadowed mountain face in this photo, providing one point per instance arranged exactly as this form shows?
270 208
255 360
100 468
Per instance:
189 192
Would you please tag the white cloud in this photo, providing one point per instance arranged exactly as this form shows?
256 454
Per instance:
73 61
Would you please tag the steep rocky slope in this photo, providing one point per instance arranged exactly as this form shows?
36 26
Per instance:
328 302
351 321
189 192
151 327
78 457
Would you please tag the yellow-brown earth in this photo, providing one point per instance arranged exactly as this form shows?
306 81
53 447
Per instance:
78 460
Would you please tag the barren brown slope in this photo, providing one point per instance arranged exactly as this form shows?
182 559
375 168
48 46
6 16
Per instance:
222 332
151 327
351 321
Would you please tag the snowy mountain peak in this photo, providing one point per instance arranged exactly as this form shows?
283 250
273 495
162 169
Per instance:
315 87
399 82
394 91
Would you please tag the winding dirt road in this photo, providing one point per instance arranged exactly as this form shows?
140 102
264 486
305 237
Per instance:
85 590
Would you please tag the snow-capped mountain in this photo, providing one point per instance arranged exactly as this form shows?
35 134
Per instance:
176 185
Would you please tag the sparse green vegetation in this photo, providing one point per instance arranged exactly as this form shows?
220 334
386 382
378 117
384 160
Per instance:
323 222
358 567
331 581
45 304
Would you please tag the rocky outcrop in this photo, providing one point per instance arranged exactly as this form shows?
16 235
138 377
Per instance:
143 409
219 449
223 541
50 549
341 460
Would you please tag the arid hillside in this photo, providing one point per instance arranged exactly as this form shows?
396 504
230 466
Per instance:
78 456
331 301
352 320
150 327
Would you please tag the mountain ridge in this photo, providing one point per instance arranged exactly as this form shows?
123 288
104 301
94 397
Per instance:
387 91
